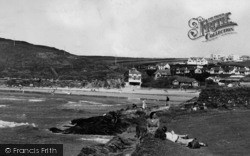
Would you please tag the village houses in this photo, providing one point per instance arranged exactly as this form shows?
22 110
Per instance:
163 70
197 61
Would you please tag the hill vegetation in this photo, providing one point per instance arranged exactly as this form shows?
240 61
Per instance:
20 59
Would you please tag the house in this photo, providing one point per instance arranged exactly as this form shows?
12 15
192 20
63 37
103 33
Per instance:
216 70
229 70
245 81
197 61
182 70
214 78
233 57
217 57
198 71
245 58
151 67
134 77
242 71
185 81
162 73
163 66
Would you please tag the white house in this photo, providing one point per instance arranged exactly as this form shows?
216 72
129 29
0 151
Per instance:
217 57
163 66
197 61
162 73
235 58
134 77
198 71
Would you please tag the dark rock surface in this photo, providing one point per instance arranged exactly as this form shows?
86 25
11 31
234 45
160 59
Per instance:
110 124
225 97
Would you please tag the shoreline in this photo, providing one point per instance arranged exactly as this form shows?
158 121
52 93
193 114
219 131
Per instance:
129 93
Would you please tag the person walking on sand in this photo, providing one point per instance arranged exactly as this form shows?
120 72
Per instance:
144 105
167 101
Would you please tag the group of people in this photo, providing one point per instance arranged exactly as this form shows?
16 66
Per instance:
153 127
196 107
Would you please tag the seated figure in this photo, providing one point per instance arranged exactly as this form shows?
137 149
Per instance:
153 123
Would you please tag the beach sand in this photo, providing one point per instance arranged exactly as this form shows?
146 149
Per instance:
130 93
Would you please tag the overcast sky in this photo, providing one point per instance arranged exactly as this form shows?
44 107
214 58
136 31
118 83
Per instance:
133 28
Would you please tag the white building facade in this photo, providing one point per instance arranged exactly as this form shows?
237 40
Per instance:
197 61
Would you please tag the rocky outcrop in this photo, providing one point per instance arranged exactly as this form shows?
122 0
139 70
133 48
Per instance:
110 124
225 97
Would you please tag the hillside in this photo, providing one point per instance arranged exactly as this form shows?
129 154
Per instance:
20 59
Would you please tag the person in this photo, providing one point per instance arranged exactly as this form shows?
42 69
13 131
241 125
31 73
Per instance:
246 103
134 106
181 139
195 106
167 100
203 107
153 123
144 105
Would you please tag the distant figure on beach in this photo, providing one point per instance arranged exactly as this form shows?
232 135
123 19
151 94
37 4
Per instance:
246 103
144 105
167 100
53 91
153 123
182 139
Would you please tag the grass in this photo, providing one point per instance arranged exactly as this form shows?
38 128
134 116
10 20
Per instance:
226 133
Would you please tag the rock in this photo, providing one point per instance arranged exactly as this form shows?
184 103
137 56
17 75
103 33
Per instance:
110 124
115 146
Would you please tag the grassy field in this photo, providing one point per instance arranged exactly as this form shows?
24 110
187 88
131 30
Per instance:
226 133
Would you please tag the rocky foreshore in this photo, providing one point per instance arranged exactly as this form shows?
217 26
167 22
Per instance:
121 124
124 125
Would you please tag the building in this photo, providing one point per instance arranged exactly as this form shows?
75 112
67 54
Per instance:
151 67
229 70
214 78
182 70
197 61
185 81
245 58
217 57
225 58
216 70
162 73
235 58
242 71
198 71
134 77
163 66
245 81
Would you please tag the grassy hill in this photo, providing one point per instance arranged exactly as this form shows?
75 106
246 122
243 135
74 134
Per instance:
20 59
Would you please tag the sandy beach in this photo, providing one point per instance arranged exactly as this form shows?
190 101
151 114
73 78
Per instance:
130 93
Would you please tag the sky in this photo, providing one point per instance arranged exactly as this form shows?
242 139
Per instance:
131 28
